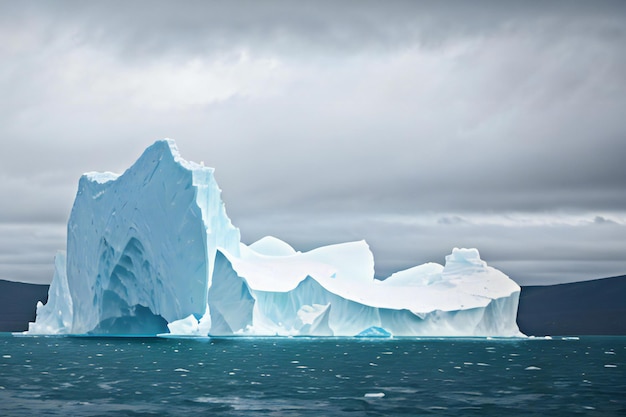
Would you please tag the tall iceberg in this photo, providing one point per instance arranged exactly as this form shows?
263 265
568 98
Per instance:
152 251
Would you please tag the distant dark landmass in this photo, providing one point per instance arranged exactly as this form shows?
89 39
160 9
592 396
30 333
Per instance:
18 304
596 307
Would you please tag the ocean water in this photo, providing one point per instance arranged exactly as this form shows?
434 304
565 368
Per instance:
74 376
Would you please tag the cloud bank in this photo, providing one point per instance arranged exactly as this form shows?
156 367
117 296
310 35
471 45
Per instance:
416 127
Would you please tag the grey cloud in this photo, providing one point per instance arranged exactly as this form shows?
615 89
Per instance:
400 109
451 220
139 28
27 251
31 272
603 220
550 272
542 254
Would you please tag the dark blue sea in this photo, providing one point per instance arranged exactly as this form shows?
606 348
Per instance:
80 376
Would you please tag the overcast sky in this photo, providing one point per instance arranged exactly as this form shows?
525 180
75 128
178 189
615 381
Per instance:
416 127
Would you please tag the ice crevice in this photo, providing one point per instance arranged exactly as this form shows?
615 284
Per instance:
153 251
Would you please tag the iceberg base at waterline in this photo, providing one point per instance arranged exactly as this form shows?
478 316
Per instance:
152 251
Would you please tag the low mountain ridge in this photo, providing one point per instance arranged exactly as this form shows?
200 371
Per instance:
595 307
18 303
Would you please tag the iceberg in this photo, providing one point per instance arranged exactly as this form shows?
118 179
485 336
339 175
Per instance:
152 251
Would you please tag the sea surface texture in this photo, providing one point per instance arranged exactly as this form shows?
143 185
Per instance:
82 376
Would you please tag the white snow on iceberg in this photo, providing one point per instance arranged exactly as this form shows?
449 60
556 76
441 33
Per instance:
152 251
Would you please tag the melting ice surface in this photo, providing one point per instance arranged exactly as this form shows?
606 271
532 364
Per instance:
152 251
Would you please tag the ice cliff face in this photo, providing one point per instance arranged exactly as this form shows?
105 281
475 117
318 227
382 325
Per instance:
152 251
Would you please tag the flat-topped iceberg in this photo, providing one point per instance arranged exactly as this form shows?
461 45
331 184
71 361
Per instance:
152 251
